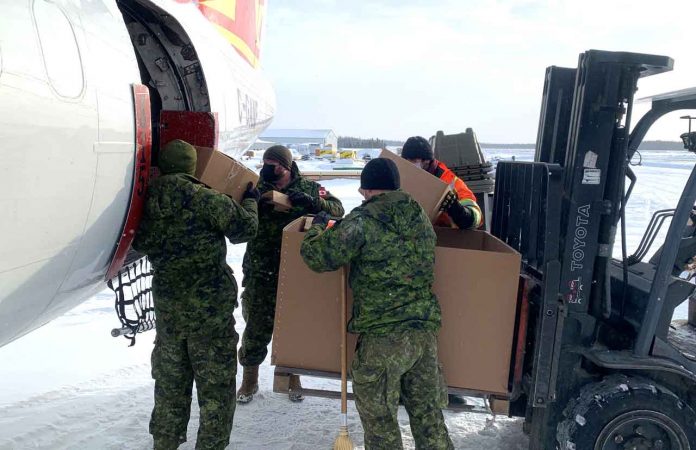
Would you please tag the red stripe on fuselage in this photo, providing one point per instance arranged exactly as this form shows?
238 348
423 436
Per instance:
243 25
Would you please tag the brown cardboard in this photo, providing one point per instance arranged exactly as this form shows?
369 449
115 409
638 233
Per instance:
307 311
476 279
426 189
307 223
281 202
223 173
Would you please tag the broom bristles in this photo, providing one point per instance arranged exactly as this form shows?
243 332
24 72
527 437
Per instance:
343 441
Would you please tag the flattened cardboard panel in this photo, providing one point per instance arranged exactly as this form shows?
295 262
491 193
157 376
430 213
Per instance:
477 291
426 189
307 330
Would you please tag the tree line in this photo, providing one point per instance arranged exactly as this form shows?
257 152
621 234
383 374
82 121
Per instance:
358 142
645 145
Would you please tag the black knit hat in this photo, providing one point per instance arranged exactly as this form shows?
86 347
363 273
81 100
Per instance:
417 147
380 174
279 153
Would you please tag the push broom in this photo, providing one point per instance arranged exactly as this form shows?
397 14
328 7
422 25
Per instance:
343 441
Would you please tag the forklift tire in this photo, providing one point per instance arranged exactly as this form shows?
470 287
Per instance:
622 413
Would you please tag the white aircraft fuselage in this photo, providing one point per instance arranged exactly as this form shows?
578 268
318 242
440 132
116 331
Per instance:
68 133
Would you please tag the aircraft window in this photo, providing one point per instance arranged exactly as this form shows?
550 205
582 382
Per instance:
59 47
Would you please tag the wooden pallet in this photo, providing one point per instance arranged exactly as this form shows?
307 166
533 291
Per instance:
281 379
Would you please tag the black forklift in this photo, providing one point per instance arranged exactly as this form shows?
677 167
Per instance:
605 367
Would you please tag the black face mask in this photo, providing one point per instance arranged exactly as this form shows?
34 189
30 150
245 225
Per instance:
268 173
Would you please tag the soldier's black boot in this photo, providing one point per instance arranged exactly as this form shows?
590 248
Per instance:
456 401
295 389
250 385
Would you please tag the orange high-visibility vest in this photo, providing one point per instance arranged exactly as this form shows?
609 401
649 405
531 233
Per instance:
464 194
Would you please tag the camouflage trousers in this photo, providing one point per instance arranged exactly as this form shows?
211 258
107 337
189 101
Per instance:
258 310
400 365
176 363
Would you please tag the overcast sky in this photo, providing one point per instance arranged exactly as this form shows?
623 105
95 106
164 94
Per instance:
392 69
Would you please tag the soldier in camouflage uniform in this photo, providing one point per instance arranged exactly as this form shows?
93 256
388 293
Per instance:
183 234
262 260
390 245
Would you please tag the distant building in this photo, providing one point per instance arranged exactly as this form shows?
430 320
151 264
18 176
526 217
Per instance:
261 144
304 141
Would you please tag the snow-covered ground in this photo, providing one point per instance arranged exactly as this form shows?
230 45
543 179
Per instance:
70 385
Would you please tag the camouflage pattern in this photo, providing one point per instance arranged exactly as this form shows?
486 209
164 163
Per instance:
262 262
176 363
183 233
401 365
390 245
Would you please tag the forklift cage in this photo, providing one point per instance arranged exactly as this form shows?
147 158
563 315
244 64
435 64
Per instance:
661 105
533 191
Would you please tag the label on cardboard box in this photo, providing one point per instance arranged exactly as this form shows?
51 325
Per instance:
223 173
428 190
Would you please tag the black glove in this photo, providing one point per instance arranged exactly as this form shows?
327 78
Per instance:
450 198
462 216
322 218
306 201
251 192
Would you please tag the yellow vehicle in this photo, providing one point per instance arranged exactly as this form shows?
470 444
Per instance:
348 154
325 152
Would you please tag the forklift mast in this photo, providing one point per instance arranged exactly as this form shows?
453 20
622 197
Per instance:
562 213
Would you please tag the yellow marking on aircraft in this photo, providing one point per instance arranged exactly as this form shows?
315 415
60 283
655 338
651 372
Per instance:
226 7
239 44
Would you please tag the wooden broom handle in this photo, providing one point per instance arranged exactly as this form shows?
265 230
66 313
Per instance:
344 344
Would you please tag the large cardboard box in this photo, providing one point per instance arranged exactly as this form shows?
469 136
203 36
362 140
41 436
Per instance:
223 173
426 189
476 279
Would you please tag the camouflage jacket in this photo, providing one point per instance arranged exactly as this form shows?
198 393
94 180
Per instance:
183 234
262 258
390 245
